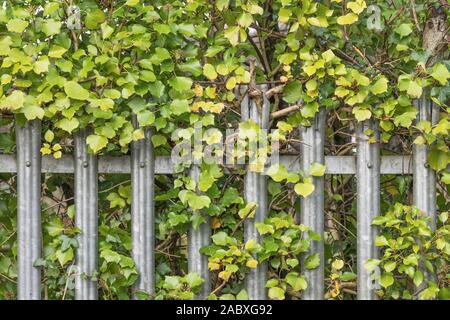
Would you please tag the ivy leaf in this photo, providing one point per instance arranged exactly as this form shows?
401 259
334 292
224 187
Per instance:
414 89
75 91
404 29
292 92
371 264
145 118
232 34
317 169
440 73
64 256
386 280
296 281
209 71
380 86
193 280
180 83
32 111
96 142
277 172
349 18
276 293
68 125
438 159
132 3
312 261
17 25
361 114
304 189
51 27
418 278
179 106
242 295
220 238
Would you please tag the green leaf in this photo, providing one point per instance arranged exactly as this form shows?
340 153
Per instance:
276 293
381 241
132 3
405 29
51 27
304 189
145 118
32 111
161 54
75 91
179 106
386 280
41 65
65 256
312 261
96 142
440 73
277 172
414 89
438 159
17 25
418 278
220 238
242 295
361 114
296 281
68 125
380 86
317 169
193 280
209 71
292 92
390 266
180 83
349 18
371 264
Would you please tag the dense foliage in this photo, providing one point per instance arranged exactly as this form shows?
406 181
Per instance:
173 64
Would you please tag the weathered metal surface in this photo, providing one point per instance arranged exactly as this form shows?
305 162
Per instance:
86 218
255 190
368 205
312 212
143 213
28 168
424 178
163 165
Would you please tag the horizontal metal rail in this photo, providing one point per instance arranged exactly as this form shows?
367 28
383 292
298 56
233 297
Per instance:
163 165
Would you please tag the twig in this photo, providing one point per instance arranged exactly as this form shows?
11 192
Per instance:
285 111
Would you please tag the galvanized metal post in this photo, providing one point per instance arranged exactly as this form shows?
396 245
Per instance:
143 212
86 218
255 190
368 205
28 141
199 238
424 178
312 212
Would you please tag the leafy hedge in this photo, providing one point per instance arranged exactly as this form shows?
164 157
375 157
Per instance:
174 64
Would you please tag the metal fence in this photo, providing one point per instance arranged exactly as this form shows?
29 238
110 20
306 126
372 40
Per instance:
367 165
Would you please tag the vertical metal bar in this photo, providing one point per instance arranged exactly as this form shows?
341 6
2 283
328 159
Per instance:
255 190
312 207
199 238
368 205
143 212
424 178
28 141
86 218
